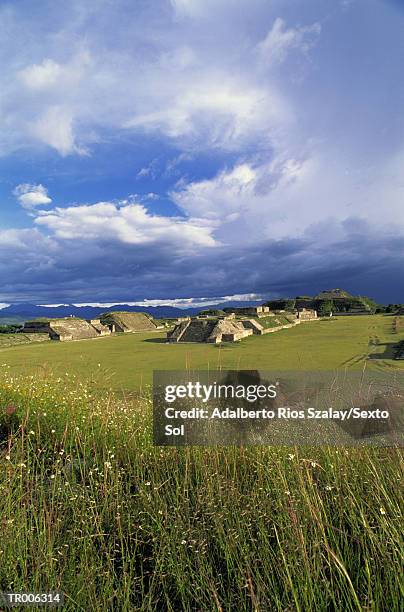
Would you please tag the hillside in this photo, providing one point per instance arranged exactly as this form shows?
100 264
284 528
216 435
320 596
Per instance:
337 301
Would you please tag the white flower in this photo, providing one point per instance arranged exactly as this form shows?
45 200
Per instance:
382 510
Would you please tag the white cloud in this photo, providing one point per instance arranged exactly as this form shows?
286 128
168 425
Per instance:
280 40
194 302
218 198
40 76
55 128
31 196
218 112
50 74
150 170
291 197
129 223
188 91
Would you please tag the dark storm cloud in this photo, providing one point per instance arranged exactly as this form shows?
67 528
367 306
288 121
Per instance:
368 263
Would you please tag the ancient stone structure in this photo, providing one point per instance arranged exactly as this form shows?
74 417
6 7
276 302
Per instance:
340 303
103 330
307 314
256 311
253 324
64 329
213 330
129 322
233 327
73 328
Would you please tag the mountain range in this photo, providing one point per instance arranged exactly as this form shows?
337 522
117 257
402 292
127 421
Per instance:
18 313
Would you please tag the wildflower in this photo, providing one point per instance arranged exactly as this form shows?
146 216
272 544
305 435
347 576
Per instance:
147 484
32 433
8 457
290 456
183 541
107 464
52 476
53 431
382 510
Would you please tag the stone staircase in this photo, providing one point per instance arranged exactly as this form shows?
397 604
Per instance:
198 331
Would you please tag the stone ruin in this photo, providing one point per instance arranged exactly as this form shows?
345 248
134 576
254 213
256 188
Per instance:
256 311
129 322
74 328
234 325
213 330
307 314
68 328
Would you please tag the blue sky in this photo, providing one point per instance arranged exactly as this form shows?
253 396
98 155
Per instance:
200 148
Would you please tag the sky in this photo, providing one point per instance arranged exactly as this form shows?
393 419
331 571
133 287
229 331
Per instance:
195 149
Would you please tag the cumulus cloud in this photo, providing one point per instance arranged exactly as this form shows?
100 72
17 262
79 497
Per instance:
50 96
223 197
30 196
291 196
127 223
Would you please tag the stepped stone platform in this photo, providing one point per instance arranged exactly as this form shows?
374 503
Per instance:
213 330
226 329
64 329
129 322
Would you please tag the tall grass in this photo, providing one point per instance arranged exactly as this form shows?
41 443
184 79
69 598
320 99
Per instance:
89 506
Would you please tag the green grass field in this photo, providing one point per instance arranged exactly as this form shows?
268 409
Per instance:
89 506
127 361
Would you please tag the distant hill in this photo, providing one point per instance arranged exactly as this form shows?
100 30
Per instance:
337 301
333 294
18 313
